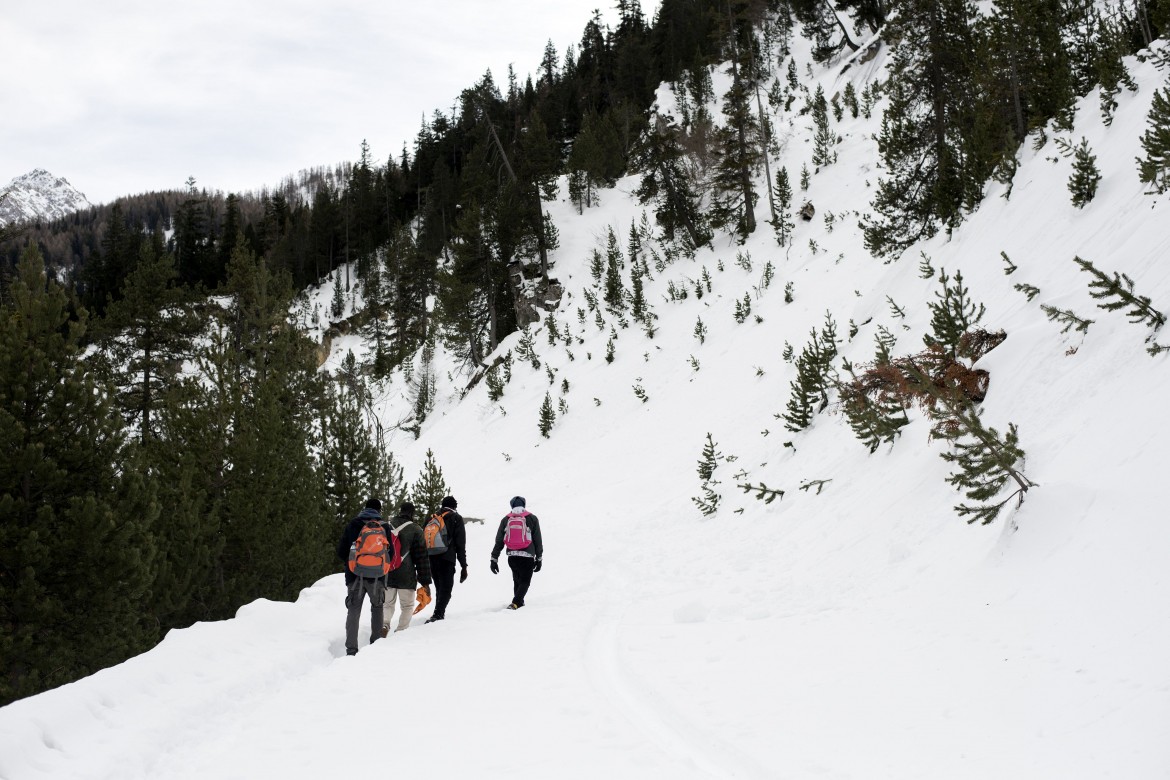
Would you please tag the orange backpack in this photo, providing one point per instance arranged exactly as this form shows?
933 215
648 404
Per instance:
436 534
373 554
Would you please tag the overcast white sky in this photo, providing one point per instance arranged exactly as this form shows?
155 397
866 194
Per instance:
125 96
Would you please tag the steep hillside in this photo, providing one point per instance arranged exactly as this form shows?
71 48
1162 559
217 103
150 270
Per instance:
855 627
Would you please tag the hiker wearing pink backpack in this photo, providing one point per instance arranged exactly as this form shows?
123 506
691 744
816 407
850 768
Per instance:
520 534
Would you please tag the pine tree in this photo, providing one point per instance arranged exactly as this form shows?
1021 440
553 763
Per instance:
1083 182
147 334
1111 72
354 460
708 502
985 461
337 304
548 416
823 137
738 148
193 243
614 292
666 183
952 314
931 171
595 160
270 449
71 521
423 385
782 193
1154 169
809 392
429 489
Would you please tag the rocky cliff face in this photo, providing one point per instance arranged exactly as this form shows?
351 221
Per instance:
38 195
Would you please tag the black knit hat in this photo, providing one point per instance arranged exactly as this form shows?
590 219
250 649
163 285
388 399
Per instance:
517 501
374 504
449 502
406 510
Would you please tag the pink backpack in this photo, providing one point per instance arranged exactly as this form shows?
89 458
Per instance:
517 536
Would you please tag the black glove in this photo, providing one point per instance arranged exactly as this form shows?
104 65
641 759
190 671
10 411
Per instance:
537 566
495 567
463 574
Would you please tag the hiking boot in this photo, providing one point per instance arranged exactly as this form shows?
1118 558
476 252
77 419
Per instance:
351 651
385 631
514 605
433 618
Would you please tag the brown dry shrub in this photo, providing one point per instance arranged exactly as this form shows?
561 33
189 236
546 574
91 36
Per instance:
921 379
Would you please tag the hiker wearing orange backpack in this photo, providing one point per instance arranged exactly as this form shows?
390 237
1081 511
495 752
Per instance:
446 539
520 533
371 551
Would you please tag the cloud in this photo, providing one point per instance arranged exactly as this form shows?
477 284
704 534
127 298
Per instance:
127 96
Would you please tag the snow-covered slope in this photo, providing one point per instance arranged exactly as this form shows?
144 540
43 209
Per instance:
861 630
38 195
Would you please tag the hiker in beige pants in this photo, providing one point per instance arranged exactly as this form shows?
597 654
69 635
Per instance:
414 571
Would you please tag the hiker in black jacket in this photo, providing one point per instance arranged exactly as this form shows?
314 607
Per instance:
414 571
357 588
446 548
520 532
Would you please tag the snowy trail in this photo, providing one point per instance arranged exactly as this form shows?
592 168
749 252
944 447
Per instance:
695 752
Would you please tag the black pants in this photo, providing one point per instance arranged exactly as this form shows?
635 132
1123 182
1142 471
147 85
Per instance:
443 572
521 577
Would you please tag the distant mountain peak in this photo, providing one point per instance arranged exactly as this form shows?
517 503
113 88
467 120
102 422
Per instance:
39 194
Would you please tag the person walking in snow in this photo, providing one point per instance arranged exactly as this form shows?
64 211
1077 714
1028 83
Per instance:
358 586
415 570
446 538
519 532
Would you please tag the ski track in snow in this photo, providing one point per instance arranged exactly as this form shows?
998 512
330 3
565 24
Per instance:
696 751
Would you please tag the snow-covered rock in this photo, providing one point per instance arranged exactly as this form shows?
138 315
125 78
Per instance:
39 195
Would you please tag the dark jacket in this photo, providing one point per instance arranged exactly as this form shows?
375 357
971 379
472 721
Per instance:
456 537
533 550
352 529
416 564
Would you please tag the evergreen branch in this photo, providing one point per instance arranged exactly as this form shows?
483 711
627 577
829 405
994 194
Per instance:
1069 319
819 484
1120 289
1011 267
763 492
1028 290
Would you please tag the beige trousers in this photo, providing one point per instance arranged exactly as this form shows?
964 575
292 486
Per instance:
405 599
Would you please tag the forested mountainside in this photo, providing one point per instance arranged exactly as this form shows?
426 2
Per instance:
161 421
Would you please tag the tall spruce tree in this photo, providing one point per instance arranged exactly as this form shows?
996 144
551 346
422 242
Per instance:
782 195
148 333
738 148
931 173
269 551
354 460
823 138
666 183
